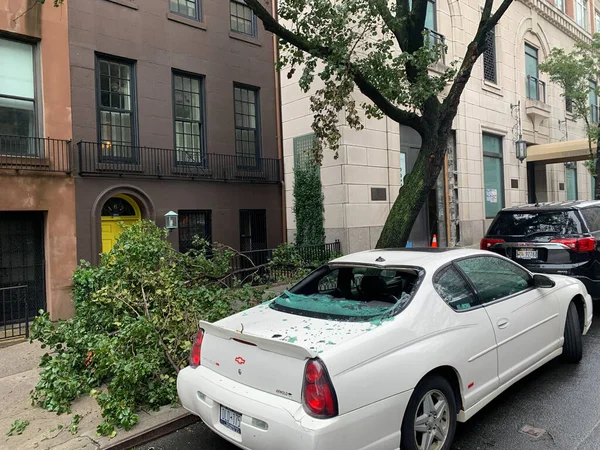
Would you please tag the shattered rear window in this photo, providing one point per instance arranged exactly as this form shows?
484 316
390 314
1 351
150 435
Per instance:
350 293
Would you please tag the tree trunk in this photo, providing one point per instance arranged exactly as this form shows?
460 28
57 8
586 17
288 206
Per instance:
415 191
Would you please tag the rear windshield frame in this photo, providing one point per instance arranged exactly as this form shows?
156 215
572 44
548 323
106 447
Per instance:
418 271
573 212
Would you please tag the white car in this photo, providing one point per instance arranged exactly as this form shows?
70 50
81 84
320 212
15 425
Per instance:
383 349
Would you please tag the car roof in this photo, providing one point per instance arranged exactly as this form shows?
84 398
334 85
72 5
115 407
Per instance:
427 258
553 206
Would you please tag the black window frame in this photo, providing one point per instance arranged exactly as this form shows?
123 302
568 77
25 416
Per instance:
203 142
241 159
536 57
250 213
501 299
29 145
243 4
183 247
197 16
490 64
134 154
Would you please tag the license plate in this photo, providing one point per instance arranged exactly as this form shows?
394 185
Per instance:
231 419
526 253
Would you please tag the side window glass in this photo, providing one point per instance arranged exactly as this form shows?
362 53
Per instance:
329 282
494 278
592 218
454 290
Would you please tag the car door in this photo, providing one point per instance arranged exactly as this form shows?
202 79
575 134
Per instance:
525 318
474 349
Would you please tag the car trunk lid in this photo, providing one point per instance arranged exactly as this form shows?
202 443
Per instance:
267 349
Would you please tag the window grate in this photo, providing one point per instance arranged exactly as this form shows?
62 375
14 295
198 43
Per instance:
253 229
489 57
303 146
193 223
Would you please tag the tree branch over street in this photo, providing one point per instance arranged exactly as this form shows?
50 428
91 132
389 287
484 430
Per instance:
385 52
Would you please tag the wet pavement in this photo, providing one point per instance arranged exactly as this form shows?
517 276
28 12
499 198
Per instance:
561 399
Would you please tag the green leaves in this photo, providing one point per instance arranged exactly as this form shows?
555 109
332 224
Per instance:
136 314
17 427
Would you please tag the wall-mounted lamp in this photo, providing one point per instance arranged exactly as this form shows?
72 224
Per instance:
171 220
520 144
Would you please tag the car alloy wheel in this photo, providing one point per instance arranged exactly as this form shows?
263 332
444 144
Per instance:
432 421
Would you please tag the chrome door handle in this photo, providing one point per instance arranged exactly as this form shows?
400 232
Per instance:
502 323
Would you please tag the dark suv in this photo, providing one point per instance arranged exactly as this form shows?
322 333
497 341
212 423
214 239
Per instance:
555 238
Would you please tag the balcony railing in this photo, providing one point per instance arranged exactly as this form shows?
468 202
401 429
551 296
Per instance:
97 159
436 39
536 89
36 154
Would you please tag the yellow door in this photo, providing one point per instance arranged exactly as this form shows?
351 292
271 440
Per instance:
117 209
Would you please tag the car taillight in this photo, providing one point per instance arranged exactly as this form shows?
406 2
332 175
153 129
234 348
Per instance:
318 396
587 244
486 243
196 352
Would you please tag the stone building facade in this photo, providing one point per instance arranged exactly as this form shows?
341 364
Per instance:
483 173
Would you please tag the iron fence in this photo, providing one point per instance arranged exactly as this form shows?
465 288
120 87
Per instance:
254 266
33 278
36 154
125 160
14 312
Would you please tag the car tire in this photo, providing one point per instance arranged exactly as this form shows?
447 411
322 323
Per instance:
418 426
572 346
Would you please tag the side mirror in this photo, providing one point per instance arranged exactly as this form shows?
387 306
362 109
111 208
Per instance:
542 281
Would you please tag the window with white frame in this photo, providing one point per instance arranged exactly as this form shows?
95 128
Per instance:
560 4
17 89
581 13
596 21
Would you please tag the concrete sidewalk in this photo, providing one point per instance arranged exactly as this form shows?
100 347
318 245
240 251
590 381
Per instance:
19 374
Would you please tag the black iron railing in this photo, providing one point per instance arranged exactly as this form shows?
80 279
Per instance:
96 159
14 312
37 154
435 39
536 89
33 278
254 265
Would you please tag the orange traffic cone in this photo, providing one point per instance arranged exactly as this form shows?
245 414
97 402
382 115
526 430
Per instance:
434 242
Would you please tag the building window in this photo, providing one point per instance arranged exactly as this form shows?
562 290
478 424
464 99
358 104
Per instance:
535 88
493 174
593 99
596 21
242 18
189 131
187 8
560 4
253 229
193 223
569 104
247 126
116 105
571 178
581 13
489 57
17 96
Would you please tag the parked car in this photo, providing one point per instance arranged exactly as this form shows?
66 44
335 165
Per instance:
552 238
383 349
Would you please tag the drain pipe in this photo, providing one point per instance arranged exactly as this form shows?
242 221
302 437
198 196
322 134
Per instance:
279 127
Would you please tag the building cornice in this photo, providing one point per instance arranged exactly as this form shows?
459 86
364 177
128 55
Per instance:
558 19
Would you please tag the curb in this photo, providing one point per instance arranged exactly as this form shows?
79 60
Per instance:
151 434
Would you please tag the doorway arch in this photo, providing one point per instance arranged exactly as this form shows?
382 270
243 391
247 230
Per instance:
117 212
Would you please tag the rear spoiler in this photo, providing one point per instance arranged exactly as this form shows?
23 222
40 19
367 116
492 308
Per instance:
270 345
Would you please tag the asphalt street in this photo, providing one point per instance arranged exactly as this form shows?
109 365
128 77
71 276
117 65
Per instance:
562 399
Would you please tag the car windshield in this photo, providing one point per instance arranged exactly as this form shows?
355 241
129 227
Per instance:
511 223
350 293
